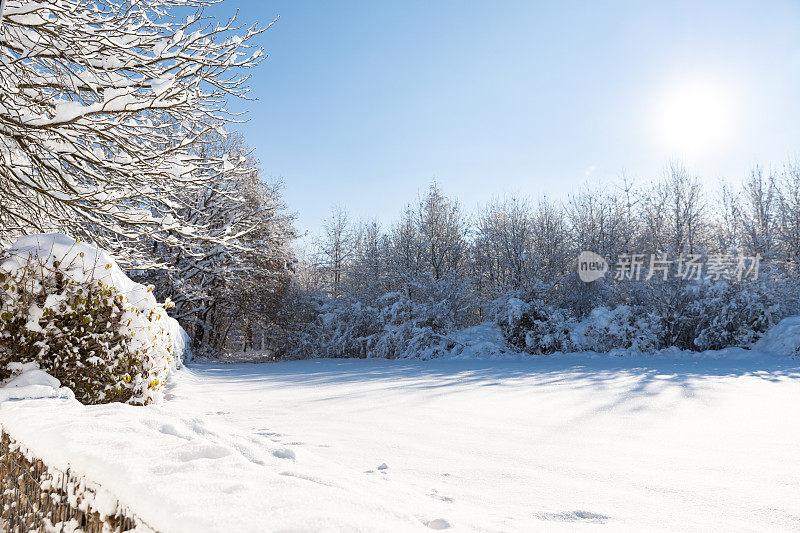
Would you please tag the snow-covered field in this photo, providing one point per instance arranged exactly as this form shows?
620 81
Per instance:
670 443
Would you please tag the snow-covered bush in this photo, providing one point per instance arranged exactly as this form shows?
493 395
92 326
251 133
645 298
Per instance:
414 329
346 329
533 326
701 315
68 307
783 338
442 304
394 326
624 327
733 315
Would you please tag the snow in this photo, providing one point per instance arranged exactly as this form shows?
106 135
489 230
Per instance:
31 383
659 443
783 338
162 85
78 260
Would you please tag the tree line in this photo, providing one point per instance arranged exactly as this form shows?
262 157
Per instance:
519 243
361 290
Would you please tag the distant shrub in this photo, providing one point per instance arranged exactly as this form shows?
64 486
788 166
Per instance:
733 315
623 327
532 326
701 315
394 326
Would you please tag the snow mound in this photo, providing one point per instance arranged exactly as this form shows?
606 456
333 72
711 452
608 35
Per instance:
783 338
484 341
32 383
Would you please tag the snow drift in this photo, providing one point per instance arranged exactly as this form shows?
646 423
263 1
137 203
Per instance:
32 383
783 338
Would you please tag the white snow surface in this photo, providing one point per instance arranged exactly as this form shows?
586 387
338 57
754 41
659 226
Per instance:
79 261
570 442
782 338
31 382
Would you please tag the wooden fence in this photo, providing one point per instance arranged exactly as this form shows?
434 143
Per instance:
39 498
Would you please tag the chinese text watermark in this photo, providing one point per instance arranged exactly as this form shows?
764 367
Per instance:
638 267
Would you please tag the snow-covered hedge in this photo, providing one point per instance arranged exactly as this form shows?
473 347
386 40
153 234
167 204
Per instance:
69 308
395 326
621 328
692 316
697 316
352 329
533 326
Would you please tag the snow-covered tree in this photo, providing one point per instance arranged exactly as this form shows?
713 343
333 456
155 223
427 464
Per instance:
503 245
674 214
337 248
221 289
788 224
596 219
442 231
405 260
758 214
102 103
369 279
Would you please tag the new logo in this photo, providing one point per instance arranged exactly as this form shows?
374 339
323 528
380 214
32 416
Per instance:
591 266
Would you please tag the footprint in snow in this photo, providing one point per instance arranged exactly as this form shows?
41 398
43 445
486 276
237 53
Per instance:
194 452
234 489
284 453
383 469
435 494
167 429
438 523
306 478
573 516
271 435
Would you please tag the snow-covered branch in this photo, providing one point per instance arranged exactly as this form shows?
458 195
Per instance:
102 104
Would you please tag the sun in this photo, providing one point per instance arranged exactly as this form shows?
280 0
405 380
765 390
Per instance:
694 118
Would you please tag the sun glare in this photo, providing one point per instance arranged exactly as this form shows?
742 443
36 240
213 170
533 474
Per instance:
694 118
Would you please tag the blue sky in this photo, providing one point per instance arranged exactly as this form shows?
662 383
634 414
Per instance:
361 104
